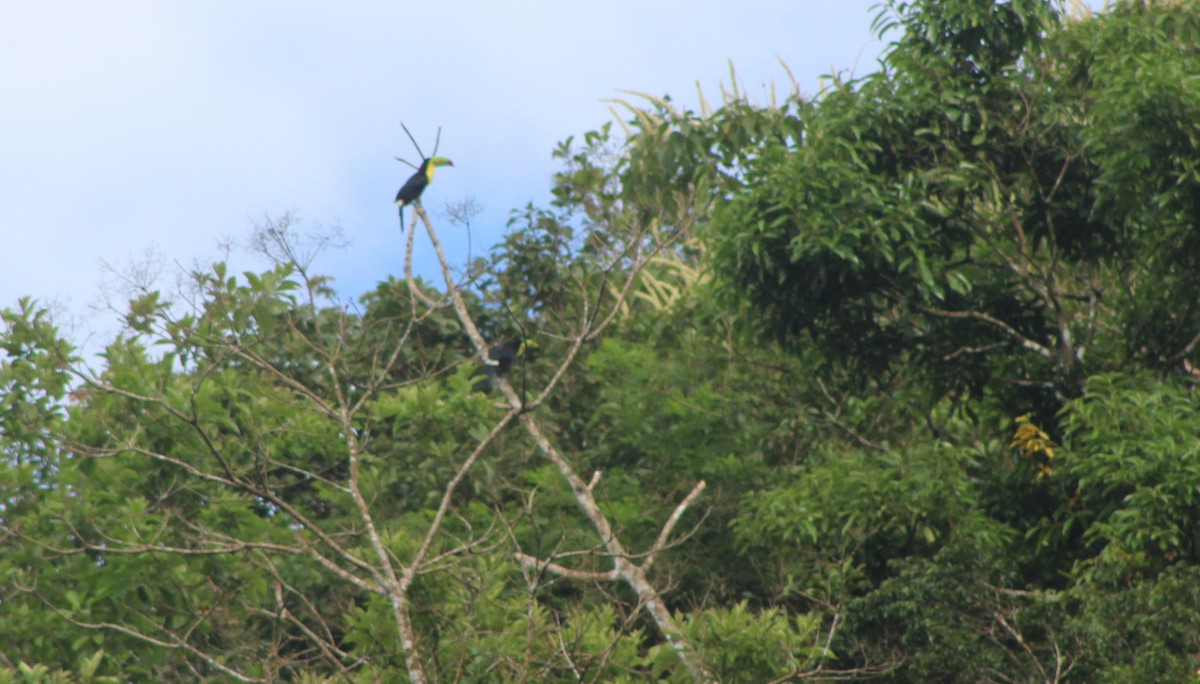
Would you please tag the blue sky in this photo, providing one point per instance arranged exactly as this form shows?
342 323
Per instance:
169 127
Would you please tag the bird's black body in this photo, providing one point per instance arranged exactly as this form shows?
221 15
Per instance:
500 362
414 186
410 192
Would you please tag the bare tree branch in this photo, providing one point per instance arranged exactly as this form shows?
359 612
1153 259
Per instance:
629 572
665 533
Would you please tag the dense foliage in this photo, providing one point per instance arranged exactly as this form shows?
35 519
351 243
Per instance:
896 382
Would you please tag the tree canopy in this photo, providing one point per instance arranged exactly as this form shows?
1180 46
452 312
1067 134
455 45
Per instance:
891 382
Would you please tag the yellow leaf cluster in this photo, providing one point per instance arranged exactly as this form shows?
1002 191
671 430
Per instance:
1032 441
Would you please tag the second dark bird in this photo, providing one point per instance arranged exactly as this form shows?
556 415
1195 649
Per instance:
500 362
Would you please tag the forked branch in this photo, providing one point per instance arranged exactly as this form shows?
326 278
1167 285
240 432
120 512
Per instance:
624 568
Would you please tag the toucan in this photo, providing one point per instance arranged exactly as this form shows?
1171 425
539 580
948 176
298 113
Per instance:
411 191
500 361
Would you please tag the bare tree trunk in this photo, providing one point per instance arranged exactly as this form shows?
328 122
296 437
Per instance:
624 569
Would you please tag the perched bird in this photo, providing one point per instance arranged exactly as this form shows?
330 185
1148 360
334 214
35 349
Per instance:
411 191
500 361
